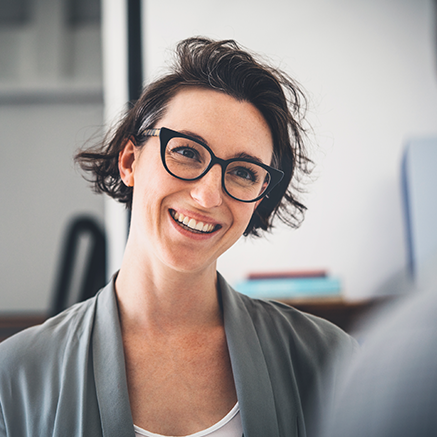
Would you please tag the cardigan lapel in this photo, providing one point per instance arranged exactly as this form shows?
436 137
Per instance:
252 380
109 368
255 393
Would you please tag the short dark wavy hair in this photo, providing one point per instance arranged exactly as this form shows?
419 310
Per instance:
222 66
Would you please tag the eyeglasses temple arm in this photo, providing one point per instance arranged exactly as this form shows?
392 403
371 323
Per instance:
151 132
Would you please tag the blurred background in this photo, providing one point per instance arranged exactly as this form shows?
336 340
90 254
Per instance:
368 67
51 102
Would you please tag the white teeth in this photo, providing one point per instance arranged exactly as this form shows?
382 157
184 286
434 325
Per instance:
191 223
199 226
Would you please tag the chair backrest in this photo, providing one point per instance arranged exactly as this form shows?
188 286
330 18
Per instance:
82 268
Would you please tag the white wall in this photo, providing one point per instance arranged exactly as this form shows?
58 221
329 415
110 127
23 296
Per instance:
116 96
41 192
368 66
50 104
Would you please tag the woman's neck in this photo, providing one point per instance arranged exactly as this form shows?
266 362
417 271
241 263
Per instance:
155 296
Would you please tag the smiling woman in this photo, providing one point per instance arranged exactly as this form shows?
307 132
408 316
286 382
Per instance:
209 152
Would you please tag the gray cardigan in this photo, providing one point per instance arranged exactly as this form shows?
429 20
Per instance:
66 377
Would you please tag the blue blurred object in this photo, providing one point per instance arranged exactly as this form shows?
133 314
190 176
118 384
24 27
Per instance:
419 180
287 288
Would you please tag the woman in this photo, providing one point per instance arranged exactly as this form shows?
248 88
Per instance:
168 348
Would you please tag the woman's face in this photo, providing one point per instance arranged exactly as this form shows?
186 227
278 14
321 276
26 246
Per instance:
160 201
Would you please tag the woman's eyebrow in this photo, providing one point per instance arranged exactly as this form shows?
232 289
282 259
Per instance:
194 136
242 155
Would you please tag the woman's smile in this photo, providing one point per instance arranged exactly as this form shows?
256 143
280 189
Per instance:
193 227
192 224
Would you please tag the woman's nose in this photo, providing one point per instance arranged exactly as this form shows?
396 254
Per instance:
208 191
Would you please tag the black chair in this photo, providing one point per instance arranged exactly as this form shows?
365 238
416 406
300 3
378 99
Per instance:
89 273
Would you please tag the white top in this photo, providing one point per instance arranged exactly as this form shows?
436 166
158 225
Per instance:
229 426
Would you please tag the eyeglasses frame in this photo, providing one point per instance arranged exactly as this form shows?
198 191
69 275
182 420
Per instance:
165 135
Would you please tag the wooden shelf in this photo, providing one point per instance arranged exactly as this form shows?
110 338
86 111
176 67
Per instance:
10 324
343 313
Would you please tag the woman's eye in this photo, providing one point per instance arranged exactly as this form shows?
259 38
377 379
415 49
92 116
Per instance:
244 173
186 152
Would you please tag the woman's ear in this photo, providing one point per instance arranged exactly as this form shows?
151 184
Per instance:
126 164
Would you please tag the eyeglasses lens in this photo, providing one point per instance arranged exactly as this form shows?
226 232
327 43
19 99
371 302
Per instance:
246 180
185 158
188 159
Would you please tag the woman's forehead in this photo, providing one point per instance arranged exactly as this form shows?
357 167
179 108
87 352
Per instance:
219 119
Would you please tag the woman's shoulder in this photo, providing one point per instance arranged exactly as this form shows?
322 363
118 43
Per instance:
288 317
309 334
286 313
311 341
274 318
45 372
39 343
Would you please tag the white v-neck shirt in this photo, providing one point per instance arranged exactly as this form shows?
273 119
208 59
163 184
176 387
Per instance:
229 426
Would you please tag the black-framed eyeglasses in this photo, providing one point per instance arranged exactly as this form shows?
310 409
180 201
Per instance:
189 159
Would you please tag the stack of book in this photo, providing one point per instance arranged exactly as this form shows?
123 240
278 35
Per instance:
290 285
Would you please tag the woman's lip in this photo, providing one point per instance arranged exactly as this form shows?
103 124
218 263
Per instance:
194 222
196 216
